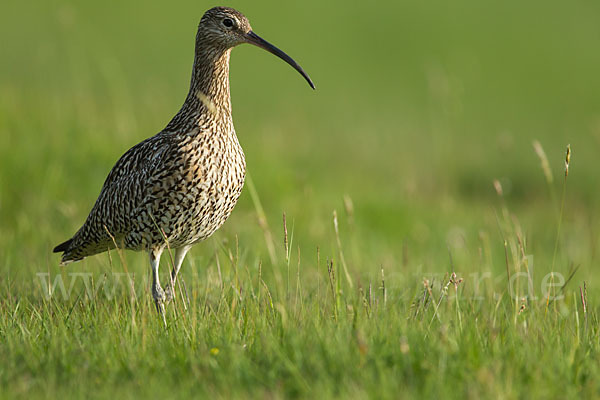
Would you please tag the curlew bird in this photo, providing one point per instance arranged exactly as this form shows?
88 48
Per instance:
178 187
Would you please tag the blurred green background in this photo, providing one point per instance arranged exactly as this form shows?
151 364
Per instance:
419 107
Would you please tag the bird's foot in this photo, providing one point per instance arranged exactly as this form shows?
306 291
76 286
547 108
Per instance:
170 292
158 294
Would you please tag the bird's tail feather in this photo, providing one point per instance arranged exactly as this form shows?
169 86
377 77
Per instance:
63 246
67 249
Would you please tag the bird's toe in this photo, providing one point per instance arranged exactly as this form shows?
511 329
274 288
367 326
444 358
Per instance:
158 294
169 293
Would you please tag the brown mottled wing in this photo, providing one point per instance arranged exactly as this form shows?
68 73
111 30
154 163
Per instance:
123 194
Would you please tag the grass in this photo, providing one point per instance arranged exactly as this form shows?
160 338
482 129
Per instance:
369 255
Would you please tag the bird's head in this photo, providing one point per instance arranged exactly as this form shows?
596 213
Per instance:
224 28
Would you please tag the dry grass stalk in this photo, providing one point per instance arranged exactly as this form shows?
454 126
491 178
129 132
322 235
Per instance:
339 244
567 160
349 207
498 187
539 150
383 292
562 202
285 239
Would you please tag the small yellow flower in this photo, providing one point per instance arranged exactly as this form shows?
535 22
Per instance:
214 351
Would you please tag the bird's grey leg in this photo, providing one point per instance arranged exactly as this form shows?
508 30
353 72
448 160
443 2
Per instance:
179 256
158 293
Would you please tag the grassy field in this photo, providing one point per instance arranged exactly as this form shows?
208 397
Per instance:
385 175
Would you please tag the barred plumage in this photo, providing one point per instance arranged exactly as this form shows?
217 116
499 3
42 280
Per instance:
179 186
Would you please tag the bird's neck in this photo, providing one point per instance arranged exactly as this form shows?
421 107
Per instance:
208 100
210 77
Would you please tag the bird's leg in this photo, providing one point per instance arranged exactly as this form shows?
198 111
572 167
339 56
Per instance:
179 256
158 293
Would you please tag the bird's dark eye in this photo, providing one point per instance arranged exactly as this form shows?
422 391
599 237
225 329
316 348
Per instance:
228 22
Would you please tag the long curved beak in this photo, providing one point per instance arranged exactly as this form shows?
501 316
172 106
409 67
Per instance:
256 40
